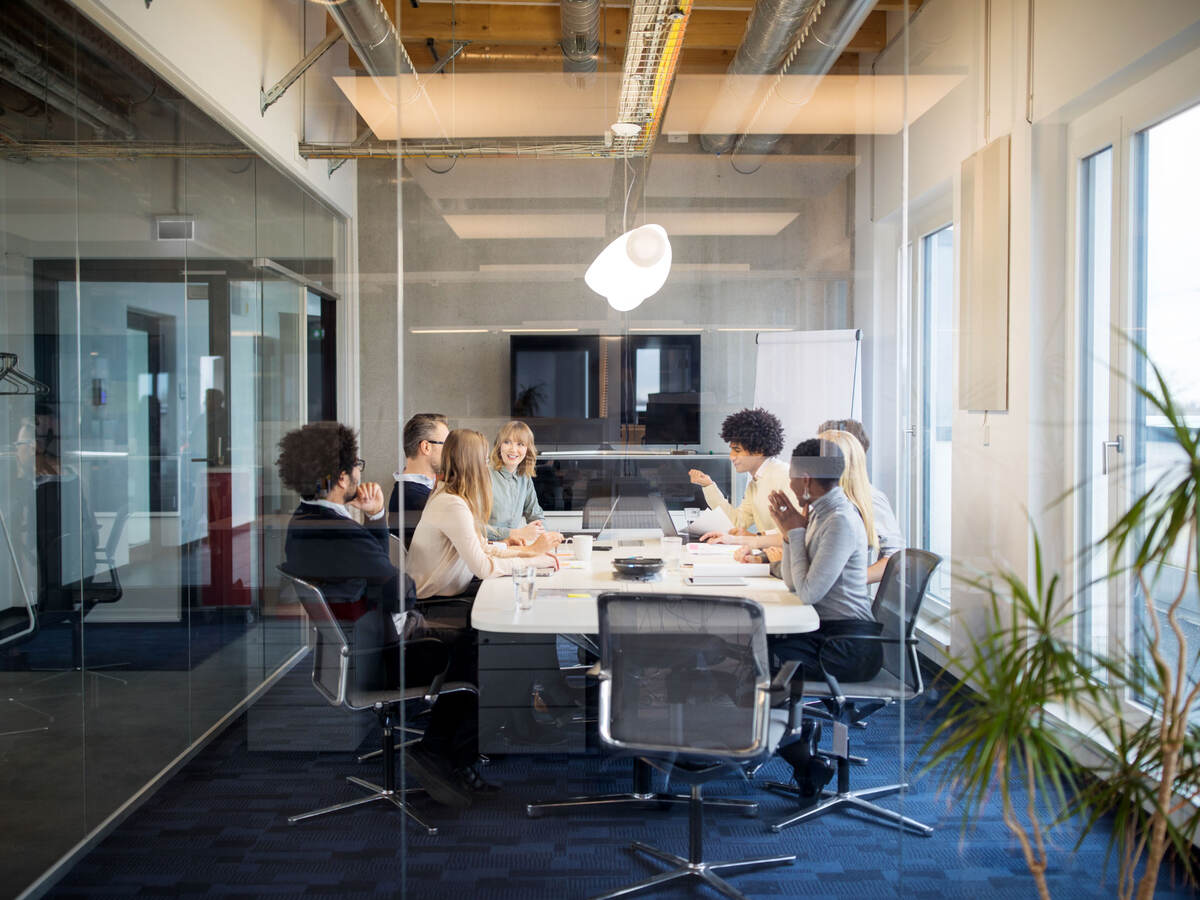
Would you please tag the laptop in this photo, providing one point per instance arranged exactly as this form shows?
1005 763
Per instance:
636 516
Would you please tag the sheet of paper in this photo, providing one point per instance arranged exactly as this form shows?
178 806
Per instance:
711 549
710 520
744 570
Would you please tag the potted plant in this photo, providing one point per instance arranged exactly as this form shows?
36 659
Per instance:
997 722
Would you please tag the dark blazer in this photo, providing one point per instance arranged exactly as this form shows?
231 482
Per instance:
415 497
348 561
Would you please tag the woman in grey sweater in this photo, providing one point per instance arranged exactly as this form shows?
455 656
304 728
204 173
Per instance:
825 565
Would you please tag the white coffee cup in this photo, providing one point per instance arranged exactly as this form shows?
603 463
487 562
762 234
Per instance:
581 547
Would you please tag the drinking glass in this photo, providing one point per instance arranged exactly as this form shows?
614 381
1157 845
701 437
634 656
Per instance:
524 585
672 547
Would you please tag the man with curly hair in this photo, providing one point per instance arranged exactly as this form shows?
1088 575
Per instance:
755 437
350 563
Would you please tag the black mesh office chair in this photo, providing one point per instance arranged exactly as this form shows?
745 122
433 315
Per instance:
685 684
897 603
333 675
19 624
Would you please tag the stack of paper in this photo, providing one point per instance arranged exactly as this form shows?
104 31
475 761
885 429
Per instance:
746 570
710 520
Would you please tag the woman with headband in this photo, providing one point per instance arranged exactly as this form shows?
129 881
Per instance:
825 565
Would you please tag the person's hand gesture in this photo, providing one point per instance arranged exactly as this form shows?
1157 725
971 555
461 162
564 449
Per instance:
544 544
698 477
786 516
527 532
368 498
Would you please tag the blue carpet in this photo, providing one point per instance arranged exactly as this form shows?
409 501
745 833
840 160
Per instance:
219 828
139 646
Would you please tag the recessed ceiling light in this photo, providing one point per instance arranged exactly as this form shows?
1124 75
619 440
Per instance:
448 330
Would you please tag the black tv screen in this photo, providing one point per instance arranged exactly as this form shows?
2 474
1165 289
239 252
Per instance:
567 388
555 377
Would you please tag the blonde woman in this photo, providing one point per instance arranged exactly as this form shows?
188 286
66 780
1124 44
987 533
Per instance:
857 487
516 514
448 548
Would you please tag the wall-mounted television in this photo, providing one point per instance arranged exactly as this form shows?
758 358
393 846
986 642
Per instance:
581 389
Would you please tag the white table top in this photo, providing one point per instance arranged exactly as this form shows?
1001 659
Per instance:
566 601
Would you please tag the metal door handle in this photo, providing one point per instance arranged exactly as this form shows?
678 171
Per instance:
1118 445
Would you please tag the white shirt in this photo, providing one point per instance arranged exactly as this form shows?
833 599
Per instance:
340 508
428 480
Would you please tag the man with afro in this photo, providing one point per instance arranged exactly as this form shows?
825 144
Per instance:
755 438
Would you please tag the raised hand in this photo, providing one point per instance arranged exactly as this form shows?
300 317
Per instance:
786 516
368 498
698 477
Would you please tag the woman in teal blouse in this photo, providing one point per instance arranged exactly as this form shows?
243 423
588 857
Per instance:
516 514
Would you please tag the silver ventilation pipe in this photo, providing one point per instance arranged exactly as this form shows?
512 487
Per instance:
812 35
372 36
580 35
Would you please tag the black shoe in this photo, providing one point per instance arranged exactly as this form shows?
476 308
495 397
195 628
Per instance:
437 777
797 753
474 782
812 779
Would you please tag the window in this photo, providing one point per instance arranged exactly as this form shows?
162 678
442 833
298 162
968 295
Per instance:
935 406
1094 448
1166 321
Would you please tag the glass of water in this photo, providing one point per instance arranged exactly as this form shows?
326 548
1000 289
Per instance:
524 585
672 547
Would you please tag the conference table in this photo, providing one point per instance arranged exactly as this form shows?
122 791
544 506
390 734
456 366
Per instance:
523 706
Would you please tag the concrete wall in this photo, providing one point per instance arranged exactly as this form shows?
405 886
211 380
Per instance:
798 278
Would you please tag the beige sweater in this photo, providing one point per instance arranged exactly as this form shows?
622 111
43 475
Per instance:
772 475
448 550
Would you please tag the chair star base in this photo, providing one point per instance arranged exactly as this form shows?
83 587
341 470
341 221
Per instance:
377 793
851 800
749 808
705 871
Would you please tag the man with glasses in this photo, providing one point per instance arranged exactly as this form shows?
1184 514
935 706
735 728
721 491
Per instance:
350 563
424 435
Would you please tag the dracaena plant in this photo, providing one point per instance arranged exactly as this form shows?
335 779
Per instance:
1150 780
997 728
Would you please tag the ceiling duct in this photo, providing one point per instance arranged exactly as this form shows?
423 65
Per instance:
372 36
580 35
785 37
28 73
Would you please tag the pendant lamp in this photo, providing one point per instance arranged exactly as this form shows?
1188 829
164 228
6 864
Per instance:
631 268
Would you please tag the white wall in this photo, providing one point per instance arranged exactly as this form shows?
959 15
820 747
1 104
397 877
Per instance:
1014 464
219 54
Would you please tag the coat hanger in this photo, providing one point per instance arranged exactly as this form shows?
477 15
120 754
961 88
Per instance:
14 382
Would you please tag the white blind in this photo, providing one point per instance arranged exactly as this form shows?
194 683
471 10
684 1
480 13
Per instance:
808 377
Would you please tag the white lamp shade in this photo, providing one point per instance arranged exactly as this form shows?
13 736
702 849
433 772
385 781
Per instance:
631 268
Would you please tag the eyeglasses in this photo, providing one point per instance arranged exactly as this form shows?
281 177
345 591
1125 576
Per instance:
433 442
360 464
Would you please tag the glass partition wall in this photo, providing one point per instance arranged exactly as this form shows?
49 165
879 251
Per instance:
778 298
161 355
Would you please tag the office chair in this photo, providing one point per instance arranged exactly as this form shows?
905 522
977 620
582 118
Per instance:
63 552
333 675
19 624
897 603
685 684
